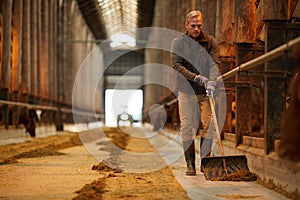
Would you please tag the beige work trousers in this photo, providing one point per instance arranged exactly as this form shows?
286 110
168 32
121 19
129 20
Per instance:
192 109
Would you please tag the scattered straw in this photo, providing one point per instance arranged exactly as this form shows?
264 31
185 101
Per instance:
241 175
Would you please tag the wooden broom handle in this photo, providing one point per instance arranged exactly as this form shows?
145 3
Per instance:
215 121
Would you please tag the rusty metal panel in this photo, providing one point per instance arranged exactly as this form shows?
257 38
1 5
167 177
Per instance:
225 20
227 64
33 50
209 10
227 49
17 45
292 7
5 67
25 79
276 10
245 99
277 33
52 44
44 67
246 52
245 21
4 95
259 22
275 89
227 128
243 112
296 11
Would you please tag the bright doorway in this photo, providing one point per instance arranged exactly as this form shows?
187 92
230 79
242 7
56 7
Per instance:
121 104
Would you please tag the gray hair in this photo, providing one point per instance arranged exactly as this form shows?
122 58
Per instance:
193 13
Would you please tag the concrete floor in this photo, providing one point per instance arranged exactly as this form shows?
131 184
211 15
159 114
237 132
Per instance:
199 188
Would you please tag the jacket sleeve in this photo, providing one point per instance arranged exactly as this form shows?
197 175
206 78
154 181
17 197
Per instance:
213 72
178 61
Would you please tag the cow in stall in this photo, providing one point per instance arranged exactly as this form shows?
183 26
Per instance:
28 118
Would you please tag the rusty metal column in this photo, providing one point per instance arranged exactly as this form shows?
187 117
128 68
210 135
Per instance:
16 56
25 80
34 52
275 90
275 86
209 12
25 70
68 56
44 68
243 112
244 37
60 65
52 49
39 47
192 4
224 36
52 55
6 57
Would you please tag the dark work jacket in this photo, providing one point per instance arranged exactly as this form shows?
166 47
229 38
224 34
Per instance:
190 59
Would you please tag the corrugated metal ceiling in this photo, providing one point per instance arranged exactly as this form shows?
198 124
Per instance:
110 17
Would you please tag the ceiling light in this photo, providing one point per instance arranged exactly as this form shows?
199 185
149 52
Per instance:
122 39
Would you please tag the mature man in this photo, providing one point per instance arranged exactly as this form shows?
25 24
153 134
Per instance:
195 56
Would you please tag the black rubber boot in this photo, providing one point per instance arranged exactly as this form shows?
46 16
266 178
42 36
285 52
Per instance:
205 149
189 154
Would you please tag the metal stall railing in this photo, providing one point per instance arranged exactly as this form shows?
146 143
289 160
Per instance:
271 55
58 111
279 51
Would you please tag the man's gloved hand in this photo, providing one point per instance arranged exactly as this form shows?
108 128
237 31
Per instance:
211 85
201 80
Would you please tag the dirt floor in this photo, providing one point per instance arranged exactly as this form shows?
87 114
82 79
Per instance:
160 184
112 183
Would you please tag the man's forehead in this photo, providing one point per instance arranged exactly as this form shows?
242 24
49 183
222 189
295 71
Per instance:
196 19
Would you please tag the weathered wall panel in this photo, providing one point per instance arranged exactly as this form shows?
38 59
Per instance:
44 67
224 33
33 50
276 10
17 45
6 45
245 20
25 80
30 71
